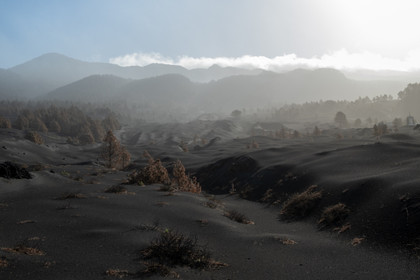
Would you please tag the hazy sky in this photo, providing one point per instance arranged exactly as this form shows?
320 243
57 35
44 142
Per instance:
375 34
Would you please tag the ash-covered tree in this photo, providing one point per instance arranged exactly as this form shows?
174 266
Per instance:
358 123
316 132
113 154
380 129
5 123
397 123
341 120
125 157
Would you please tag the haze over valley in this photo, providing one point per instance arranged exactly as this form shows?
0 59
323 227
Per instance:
209 139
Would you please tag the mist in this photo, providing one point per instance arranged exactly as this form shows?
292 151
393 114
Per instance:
209 139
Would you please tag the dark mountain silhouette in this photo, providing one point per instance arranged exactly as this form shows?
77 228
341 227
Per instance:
165 89
266 89
53 70
92 88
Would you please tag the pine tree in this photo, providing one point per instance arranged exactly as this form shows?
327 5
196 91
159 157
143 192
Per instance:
111 150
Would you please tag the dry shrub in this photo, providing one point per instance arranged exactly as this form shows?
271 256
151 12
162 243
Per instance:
153 173
34 137
238 217
26 222
22 249
253 145
334 215
211 204
118 189
286 241
343 228
357 241
152 268
299 205
71 196
182 182
173 249
3 262
202 222
117 273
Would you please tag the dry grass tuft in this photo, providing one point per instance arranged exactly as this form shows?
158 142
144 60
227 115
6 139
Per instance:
203 222
71 196
117 273
357 241
118 189
149 227
299 205
161 203
22 249
26 222
238 217
3 262
287 241
172 249
334 215
211 204
343 228
153 268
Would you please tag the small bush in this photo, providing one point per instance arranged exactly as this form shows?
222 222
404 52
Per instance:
117 189
299 205
153 173
238 217
172 249
334 215
34 137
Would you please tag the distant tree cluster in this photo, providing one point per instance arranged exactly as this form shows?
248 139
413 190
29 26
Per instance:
5 123
66 121
359 111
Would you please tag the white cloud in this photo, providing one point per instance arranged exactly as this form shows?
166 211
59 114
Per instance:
141 59
340 59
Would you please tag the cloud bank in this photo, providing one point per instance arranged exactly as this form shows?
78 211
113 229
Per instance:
341 59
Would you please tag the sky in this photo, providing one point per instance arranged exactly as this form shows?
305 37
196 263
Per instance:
357 34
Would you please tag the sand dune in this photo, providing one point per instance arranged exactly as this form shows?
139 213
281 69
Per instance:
80 232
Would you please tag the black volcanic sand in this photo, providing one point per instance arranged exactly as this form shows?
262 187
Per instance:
83 237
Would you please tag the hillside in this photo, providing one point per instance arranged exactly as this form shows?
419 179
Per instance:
225 95
53 70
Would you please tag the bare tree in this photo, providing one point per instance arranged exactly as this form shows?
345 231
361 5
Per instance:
111 150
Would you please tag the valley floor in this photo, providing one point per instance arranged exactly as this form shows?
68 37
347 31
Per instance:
61 224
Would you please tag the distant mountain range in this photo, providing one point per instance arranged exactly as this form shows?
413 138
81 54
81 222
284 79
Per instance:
215 89
50 71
